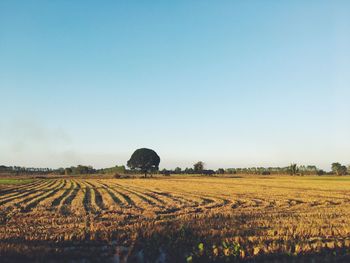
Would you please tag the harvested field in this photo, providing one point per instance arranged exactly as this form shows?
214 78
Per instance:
176 219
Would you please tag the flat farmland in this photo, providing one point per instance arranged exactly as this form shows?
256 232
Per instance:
176 219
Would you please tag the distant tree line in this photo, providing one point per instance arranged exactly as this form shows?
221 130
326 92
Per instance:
17 170
198 168
73 170
83 169
146 161
114 170
292 169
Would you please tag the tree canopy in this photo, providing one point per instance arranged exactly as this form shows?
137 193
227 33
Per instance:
198 166
145 160
339 169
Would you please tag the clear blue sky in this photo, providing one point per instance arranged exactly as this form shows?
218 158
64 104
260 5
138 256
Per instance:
231 83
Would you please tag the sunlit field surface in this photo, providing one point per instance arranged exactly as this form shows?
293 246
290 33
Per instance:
176 219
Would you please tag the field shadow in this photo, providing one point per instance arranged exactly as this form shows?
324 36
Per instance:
175 249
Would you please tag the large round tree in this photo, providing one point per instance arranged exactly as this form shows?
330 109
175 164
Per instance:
144 160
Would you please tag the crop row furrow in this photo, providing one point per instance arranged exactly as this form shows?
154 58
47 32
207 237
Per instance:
19 197
97 197
18 192
118 196
162 197
49 194
144 198
59 199
15 189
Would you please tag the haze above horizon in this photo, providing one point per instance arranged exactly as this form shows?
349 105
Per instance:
230 83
